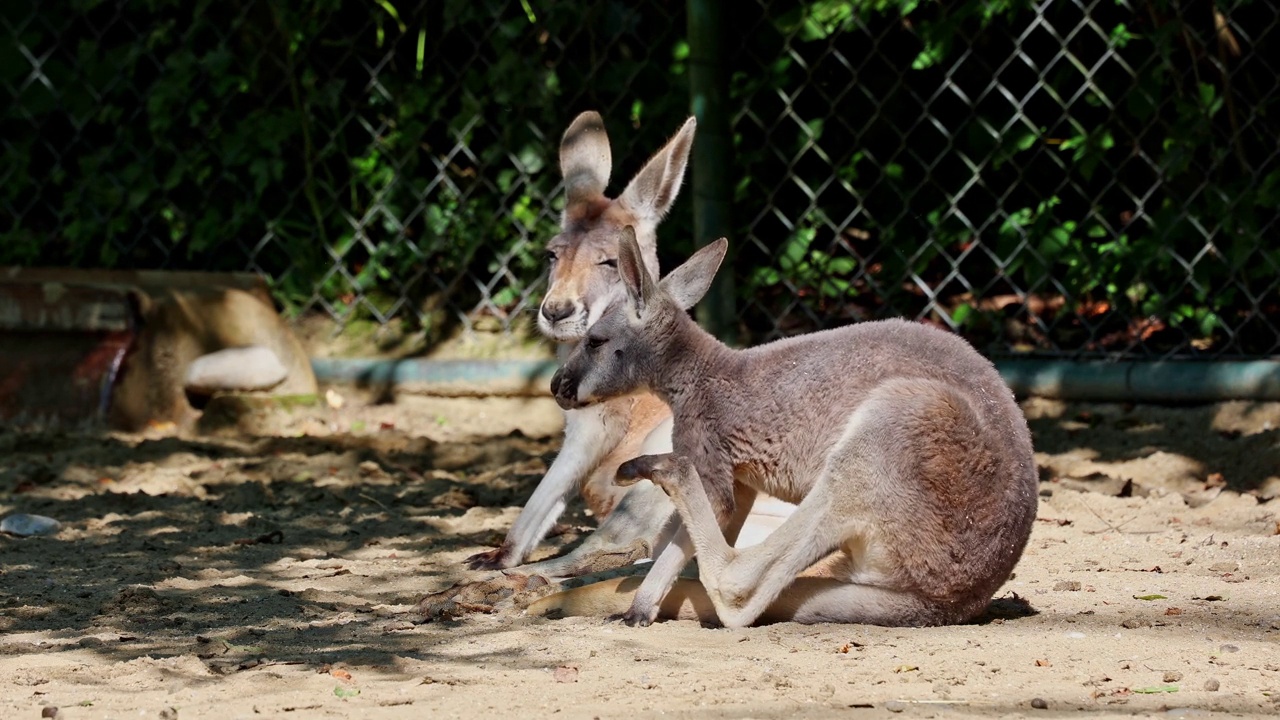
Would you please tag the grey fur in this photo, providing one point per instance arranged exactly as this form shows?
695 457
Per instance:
907 454
582 281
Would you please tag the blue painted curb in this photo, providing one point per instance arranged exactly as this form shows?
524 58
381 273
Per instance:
1155 381
1130 381
502 377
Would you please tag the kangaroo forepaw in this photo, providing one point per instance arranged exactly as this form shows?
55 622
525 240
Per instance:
645 467
667 471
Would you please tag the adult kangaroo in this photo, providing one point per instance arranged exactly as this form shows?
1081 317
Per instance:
582 281
909 460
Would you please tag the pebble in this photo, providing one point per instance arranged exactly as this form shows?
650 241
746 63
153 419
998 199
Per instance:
1039 704
25 525
1212 685
49 711
1067 585
1228 649
895 706
1172 676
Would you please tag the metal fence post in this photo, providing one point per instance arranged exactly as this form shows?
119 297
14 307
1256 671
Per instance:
712 189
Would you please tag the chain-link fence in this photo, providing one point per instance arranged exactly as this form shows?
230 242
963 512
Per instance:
1064 177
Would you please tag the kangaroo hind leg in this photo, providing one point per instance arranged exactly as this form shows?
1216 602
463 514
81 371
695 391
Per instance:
742 584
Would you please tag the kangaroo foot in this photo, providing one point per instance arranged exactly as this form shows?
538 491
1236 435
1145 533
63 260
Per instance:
498 558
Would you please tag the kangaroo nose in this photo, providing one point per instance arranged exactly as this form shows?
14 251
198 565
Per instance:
555 312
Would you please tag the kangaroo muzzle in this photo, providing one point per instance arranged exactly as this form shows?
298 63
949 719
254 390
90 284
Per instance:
564 388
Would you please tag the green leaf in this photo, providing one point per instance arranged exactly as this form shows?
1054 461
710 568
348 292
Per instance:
1150 597
395 14
345 692
842 265
1207 93
930 56
1157 689
1120 35
528 12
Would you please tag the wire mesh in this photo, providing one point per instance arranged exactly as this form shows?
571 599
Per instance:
1063 177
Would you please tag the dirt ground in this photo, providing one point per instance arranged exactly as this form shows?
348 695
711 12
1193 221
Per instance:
275 573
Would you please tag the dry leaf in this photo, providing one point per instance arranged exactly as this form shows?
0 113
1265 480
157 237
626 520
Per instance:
334 400
1173 611
1043 663
340 674
566 674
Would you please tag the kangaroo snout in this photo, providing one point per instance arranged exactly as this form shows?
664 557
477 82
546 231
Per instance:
564 391
554 312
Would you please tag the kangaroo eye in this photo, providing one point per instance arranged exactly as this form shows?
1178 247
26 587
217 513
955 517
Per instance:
551 256
595 342
611 262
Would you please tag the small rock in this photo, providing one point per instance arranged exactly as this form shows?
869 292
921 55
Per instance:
1212 685
1133 623
895 706
1039 704
1228 648
24 525
1172 676
169 714
49 711
1067 585
566 674
1225 567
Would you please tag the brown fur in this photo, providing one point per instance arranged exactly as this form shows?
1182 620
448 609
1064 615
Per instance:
582 279
903 447
177 327
644 413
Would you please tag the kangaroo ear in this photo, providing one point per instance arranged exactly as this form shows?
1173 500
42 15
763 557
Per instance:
635 276
140 305
653 190
585 158
689 282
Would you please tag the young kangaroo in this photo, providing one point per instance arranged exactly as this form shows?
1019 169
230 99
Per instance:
910 461
583 279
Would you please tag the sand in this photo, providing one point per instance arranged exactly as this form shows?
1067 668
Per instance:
273 570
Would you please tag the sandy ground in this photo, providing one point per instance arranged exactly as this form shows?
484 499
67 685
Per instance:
275 572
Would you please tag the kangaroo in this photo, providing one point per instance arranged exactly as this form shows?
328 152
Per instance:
195 342
582 280
909 460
